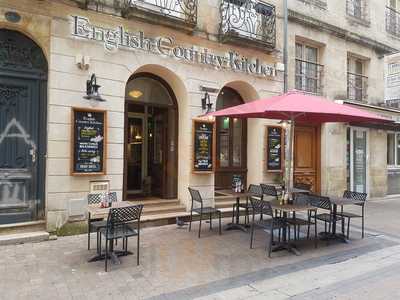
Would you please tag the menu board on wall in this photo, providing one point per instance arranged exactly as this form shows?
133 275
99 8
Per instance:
88 141
203 142
274 148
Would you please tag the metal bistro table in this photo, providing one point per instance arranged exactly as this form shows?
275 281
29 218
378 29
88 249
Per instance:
337 201
285 244
97 212
236 224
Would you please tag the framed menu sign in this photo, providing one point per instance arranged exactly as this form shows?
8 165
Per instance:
274 148
204 143
88 141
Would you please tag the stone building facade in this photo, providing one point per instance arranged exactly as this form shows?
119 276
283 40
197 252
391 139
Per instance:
183 51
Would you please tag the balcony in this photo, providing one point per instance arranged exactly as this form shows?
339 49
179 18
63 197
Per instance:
309 77
249 23
357 87
179 14
392 21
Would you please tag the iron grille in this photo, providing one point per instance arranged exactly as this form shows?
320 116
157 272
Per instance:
357 87
184 10
357 9
248 19
309 77
392 21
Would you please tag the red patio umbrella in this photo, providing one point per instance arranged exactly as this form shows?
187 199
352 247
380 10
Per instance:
298 107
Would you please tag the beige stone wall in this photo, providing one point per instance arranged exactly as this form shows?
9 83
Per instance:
67 85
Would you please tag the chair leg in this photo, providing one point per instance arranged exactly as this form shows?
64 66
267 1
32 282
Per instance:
138 248
190 221
220 225
200 224
348 228
315 233
271 240
233 212
251 236
210 221
279 235
325 226
106 256
88 237
362 224
298 232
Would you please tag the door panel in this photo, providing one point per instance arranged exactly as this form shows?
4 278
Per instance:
306 156
19 125
359 160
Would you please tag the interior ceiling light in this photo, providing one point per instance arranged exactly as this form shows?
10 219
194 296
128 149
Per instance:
135 94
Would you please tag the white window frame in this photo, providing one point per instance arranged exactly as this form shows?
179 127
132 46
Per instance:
396 148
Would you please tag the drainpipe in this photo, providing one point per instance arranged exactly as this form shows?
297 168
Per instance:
285 45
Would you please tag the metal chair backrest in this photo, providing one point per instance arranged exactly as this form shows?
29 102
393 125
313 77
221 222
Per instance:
301 199
320 202
113 196
195 194
269 190
93 198
255 190
303 186
260 206
362 197
123 215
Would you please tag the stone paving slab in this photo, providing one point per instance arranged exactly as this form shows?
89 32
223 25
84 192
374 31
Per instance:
175 264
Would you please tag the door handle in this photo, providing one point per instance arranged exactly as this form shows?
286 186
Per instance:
32 153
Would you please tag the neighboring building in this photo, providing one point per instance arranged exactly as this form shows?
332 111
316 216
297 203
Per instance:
336 50
155 62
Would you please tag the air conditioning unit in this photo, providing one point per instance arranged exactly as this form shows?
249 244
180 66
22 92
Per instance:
98 187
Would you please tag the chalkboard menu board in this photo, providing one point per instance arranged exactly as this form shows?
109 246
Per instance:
274 148
203 153
88 141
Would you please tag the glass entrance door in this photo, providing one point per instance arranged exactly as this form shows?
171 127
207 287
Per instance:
358 160
135 154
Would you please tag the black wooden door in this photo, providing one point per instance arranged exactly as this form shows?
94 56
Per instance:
23 78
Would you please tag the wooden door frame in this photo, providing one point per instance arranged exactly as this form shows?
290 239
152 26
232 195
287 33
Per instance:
317 153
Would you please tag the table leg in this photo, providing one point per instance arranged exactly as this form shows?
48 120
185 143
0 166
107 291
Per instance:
113 254
285 243
333 235
237 210
236 224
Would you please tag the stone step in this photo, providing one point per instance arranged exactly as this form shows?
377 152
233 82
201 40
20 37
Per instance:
6 229
24 237
155 202
153 210
223 204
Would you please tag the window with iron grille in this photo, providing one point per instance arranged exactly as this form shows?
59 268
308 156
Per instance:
356 80
357 9
308 71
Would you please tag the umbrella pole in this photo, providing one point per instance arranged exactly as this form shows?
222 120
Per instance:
290 173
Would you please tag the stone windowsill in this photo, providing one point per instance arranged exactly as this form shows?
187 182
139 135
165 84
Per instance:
352 20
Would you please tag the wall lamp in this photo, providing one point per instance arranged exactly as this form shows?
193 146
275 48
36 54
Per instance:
206 102
92 89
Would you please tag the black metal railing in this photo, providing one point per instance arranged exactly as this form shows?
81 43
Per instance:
248 19
309 77
357 9
357 87
183 10
392 21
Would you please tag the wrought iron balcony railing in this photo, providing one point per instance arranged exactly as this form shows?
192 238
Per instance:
392 21
175 12
357 87
357 9
309 77
248 20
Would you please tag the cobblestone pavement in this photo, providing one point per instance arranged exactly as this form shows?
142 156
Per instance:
175 264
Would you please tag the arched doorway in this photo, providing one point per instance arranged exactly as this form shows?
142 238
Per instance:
231 142
151 138
23 110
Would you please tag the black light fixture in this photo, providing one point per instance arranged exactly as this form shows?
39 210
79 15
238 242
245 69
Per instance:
206 102
92 89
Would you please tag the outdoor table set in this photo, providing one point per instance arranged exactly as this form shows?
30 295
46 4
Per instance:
114 220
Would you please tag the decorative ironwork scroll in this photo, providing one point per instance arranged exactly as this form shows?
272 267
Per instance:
249 19
181 9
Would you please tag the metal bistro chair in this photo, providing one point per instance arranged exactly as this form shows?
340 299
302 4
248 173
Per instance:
362 197
302 186
94 225
122 223
255 191
323 203
196 197
305 199
270 224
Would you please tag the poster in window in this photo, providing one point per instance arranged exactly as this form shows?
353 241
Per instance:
203 142
274 148
88 141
